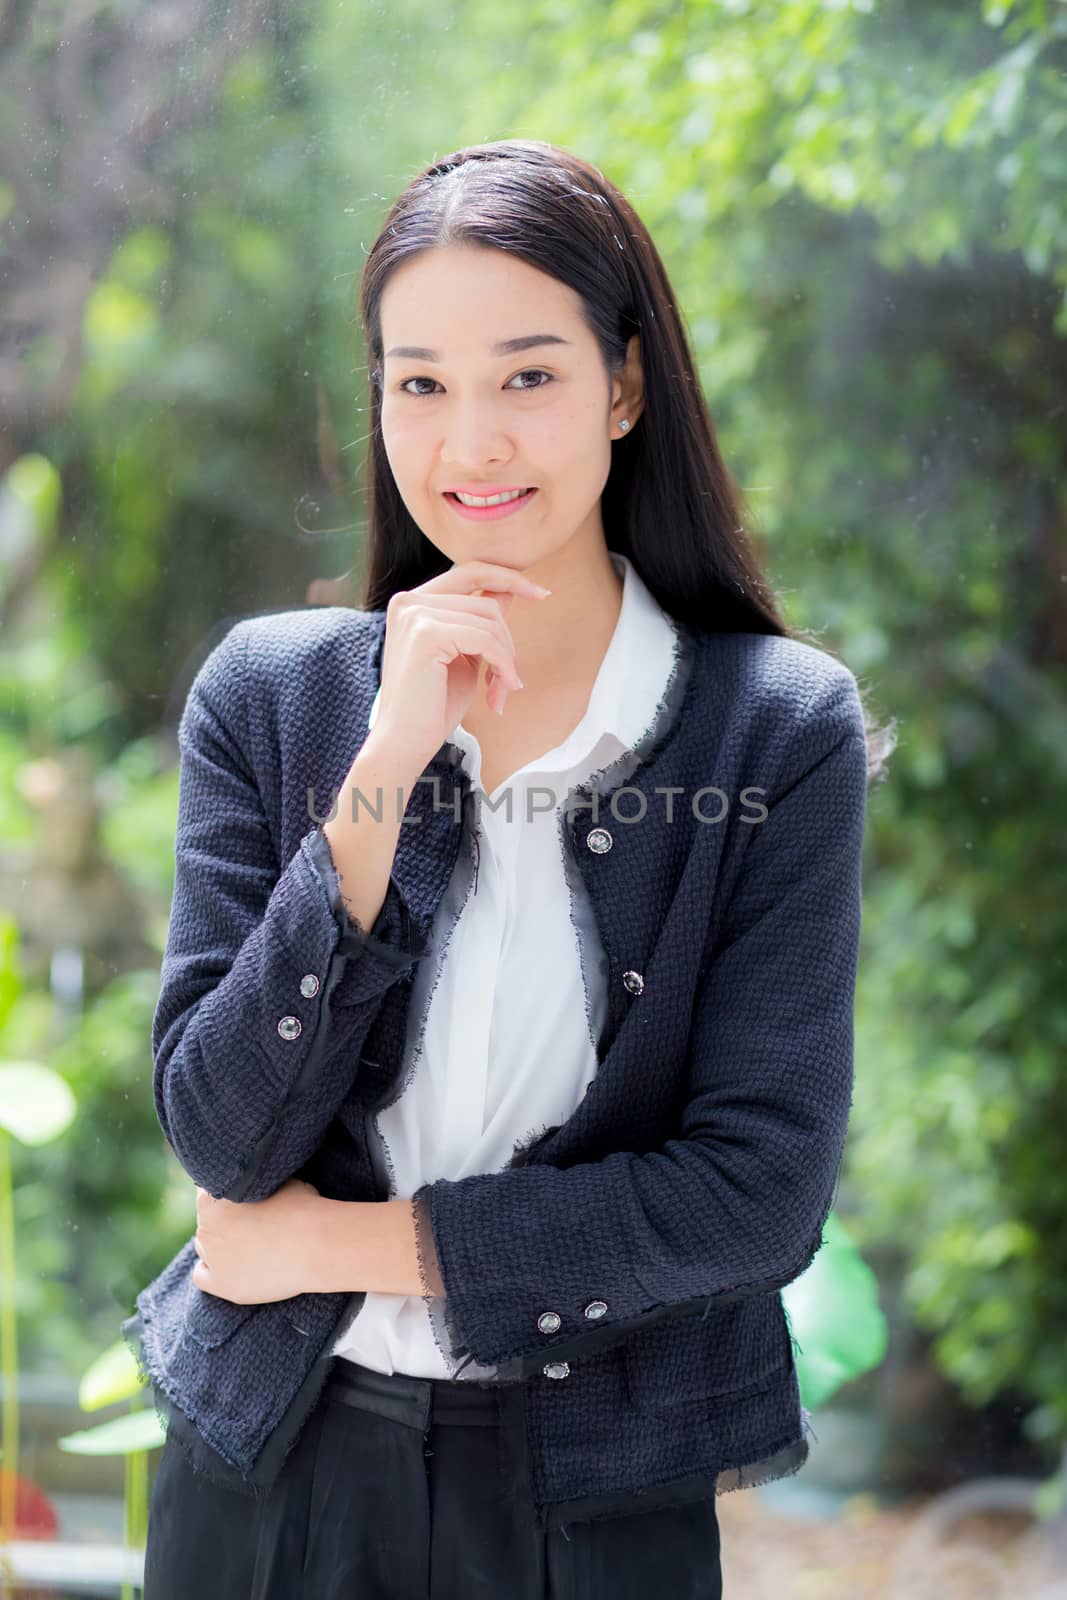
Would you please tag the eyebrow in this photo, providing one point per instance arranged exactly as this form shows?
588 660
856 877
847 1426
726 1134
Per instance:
506 347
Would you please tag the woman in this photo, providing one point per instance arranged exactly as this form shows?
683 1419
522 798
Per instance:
508 1122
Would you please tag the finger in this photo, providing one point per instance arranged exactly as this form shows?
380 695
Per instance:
486 606
479 637
467 576
472 640
504 602
496 691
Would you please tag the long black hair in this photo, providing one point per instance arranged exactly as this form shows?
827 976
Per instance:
669 503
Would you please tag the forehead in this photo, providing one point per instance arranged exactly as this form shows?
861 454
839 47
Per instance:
476 298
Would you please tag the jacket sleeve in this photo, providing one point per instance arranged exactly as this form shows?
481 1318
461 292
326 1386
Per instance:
268 987
735 1205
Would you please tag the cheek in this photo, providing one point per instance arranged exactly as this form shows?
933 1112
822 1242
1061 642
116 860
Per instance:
403 440
574 446
573 428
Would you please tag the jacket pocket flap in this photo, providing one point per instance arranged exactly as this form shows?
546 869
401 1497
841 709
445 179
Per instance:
211 1320
732 1349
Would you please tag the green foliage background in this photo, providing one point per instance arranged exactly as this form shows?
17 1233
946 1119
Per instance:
861 209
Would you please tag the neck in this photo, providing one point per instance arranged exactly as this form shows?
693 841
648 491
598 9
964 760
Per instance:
567 635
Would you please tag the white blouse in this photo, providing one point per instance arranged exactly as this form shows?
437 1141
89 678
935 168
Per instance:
509 1046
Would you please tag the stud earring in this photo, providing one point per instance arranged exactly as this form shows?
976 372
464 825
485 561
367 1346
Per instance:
623 425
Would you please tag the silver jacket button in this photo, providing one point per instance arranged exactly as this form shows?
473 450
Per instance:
548 1322
596 1308
557 1369
309 986
599 841
633 981
290 1027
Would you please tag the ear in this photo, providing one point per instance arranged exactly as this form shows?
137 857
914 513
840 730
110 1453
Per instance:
628 388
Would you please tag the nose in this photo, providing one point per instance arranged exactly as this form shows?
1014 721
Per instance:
473 440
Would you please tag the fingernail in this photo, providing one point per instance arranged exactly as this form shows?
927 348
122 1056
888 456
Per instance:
499 710
541 589
518 682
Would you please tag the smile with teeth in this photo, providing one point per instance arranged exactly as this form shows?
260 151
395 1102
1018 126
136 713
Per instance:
493 500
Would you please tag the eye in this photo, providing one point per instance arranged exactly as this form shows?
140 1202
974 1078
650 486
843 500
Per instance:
536 372
527 372
402 388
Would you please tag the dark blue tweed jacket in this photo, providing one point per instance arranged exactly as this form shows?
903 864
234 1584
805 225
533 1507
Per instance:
722 858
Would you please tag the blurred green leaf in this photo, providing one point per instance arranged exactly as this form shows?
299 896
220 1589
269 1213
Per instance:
835 1317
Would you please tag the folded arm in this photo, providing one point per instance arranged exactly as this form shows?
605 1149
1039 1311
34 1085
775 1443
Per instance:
735 1205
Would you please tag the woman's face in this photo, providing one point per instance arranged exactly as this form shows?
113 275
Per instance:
466 416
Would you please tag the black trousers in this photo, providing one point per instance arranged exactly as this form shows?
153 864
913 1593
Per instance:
403 1488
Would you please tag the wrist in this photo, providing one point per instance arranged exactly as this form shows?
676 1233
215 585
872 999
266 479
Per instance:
334 1262
381 761
364 1245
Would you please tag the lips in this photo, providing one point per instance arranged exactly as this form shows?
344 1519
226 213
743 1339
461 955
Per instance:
486 494
491 513
484 491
